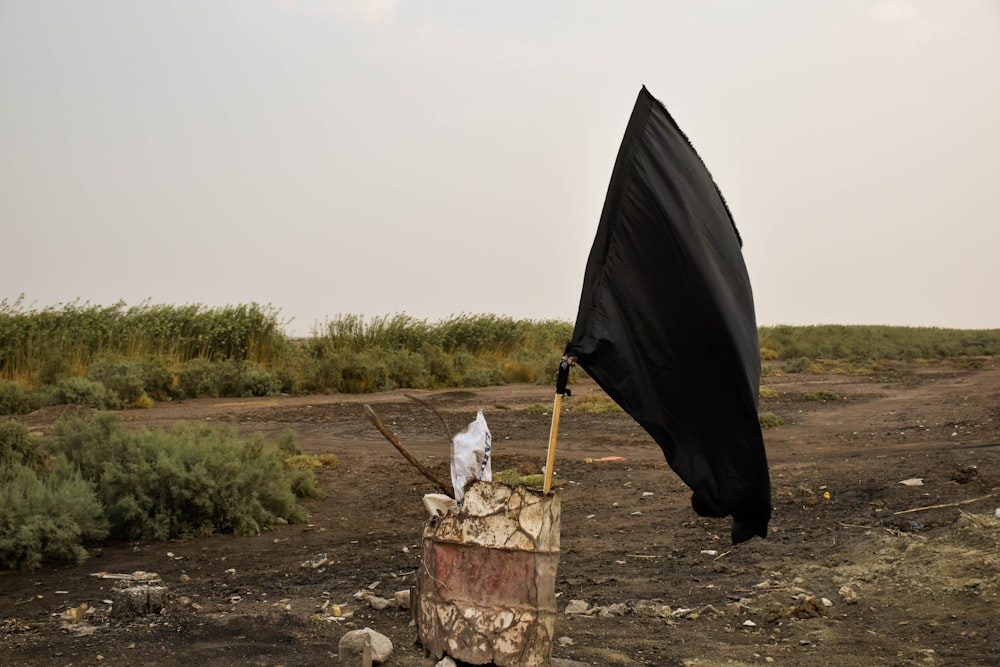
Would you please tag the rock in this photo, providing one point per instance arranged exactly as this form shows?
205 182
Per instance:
617 609
565 641
709 610
377 603
735 608
402 599
316 562
650 608
848 594
355 649
381 646
576 607
445 662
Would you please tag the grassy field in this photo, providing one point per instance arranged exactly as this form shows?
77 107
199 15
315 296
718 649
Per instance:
111 357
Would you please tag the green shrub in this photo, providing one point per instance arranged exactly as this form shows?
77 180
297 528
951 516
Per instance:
14 400
81 391
482 377
767 392
770 420
144 402
158 378
46 508
594 405
822 395
518 370
120 376
201 378
360 374
406 368
17 447
439 364
260 382
46 516
227 378
797 365
190 480
867 343
537 409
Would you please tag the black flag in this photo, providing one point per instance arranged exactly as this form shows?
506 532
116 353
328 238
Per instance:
666 324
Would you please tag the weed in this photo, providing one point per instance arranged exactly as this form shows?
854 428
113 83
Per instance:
797 365
594 405
822 395
770 420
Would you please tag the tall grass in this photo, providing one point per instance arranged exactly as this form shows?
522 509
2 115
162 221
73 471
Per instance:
109 357
354 354
43 345
867 343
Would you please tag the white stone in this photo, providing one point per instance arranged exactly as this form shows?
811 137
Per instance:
377 603
381 646
402 599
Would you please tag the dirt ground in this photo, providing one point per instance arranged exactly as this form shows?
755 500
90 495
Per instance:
859 569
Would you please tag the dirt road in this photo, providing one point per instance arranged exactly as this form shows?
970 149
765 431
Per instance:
856 570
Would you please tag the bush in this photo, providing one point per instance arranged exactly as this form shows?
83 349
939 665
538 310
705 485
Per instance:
18 448
770 420
260 382
594 405
46 516
822 395
120 376
797 365
767 392
190 480
81 391
46 508
158 379
482 377
14 400
196 379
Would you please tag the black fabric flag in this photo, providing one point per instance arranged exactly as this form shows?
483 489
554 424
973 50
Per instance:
666 324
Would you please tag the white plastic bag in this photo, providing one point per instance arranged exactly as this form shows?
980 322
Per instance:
470 455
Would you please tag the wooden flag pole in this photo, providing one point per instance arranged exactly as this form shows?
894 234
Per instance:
550 459
562 378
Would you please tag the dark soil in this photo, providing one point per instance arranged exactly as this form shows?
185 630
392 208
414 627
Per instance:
858 569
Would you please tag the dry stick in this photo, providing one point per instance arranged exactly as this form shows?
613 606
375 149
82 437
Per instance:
937 507
447 429
437 481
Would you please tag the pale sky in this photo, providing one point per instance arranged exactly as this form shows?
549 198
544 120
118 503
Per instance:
435 157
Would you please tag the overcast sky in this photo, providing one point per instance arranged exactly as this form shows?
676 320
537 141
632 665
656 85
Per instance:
435 157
